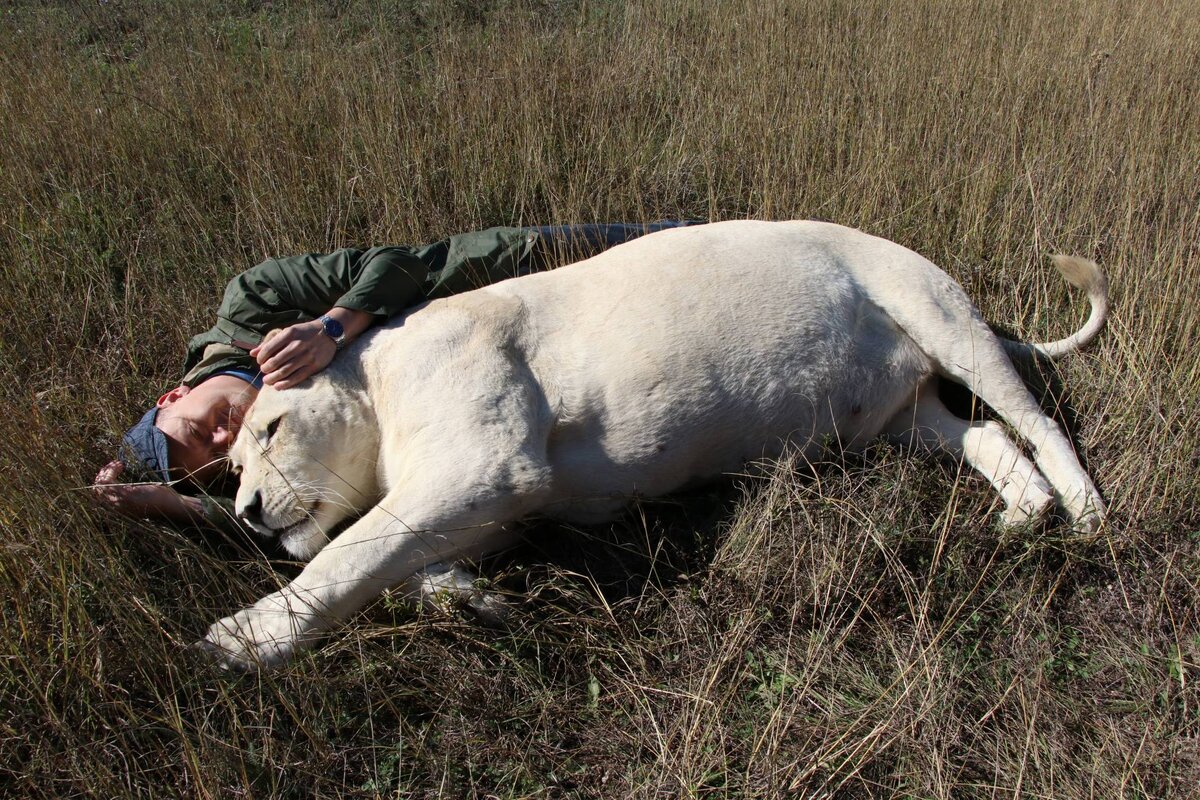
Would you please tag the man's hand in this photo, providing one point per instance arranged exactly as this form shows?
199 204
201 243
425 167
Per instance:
292 354
142 499
297 352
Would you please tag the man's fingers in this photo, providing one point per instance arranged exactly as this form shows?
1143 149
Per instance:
110 495
272 343
287 371
299 376
270 348
109 472
288 355
294 355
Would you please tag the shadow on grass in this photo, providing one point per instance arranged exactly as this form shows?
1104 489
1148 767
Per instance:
658 541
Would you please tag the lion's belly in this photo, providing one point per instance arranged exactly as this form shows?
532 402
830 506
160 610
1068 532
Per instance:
701 396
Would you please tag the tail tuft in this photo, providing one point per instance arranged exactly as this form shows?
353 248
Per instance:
1081 273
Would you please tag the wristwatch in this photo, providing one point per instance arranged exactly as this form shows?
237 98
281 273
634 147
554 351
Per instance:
334 330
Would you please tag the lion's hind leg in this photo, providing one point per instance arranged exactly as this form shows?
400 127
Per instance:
928 424
994 380
953 334
445 587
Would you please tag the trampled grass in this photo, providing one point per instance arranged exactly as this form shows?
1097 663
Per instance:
849 629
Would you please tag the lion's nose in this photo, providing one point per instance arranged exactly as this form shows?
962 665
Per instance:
252 513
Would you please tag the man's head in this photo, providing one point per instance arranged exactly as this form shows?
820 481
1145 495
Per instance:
189 430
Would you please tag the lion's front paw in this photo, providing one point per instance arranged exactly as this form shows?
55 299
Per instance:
263 636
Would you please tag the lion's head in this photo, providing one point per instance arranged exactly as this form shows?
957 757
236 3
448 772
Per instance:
307 458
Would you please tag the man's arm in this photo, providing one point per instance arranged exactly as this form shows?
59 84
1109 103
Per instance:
144 499
280 292
354 287
379 283
160 501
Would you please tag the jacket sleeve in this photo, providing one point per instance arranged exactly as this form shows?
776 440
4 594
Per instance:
484 257
381 281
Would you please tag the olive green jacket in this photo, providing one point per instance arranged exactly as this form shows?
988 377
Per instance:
382 280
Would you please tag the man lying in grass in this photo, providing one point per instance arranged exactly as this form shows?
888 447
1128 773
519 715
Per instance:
318 303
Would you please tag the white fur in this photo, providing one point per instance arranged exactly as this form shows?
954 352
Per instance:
677 356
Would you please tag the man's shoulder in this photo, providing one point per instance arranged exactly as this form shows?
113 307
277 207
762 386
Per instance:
212 352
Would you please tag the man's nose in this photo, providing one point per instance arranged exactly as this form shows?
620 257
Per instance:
252 511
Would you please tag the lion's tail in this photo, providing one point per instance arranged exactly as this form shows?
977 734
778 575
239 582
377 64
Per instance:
1082 274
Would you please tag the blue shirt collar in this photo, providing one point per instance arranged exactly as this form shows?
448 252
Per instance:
254 379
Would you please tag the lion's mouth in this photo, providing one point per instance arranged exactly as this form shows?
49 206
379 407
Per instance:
307 515
279 533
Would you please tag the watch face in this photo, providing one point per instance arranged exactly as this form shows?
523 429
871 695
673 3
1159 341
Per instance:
332 327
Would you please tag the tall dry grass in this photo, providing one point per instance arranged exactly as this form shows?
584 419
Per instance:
849 629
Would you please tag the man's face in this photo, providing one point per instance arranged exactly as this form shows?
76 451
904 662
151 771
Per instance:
200 423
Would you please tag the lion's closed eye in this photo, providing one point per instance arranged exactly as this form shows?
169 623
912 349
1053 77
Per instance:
264 438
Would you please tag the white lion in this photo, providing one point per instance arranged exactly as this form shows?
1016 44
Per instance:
677 356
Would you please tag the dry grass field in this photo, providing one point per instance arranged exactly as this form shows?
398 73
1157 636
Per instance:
857 628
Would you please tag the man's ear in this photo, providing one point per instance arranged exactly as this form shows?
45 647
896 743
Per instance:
171 397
